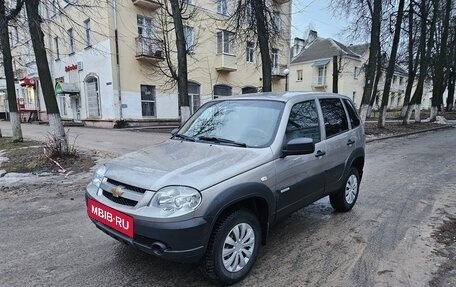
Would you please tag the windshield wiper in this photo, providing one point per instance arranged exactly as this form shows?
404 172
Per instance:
184 137
222 140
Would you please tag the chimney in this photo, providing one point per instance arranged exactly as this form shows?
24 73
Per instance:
312 36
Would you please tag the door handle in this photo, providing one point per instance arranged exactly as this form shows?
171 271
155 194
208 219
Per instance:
320 153
350 142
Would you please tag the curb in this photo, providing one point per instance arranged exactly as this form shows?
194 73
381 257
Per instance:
410 133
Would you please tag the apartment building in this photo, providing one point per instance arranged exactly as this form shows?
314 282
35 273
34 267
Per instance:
109 60
313 69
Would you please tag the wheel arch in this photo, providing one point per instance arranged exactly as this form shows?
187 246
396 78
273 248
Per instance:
256 197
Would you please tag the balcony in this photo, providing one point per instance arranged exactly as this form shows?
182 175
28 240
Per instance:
319 82
225 63
148 49
147 4
278 72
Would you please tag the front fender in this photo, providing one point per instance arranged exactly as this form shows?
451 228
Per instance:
235 195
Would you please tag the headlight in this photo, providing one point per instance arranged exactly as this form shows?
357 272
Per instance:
98 177
176 200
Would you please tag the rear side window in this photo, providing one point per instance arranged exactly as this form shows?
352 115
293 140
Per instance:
303 122
354 119
334 117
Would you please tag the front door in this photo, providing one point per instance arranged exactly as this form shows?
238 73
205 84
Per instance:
301 177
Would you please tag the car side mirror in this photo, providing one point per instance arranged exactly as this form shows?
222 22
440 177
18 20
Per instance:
174 131
299 146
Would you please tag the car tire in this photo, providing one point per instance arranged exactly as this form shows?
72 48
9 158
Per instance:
238 235
346 197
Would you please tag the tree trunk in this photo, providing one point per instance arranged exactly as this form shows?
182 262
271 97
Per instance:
439 79
425 54
263 43
391 64
182 80
9 75
412 63
418 113
378 74
373 52
42 64
451 82
335 84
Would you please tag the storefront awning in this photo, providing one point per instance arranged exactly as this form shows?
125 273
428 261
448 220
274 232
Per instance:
66 88
320 63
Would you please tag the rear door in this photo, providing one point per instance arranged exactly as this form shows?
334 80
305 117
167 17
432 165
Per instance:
300 178
339 142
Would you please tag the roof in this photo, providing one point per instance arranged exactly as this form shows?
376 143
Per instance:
324 48
277 96
359 49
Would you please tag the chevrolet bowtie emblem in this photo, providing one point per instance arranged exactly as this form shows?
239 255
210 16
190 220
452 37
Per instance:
117 191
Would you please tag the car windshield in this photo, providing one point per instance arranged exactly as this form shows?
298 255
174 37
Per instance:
247 123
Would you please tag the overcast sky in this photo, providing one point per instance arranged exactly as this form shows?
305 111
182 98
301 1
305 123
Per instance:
315 13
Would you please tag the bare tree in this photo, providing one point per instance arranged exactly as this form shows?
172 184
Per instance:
37 37
413 58
5 18
440 58
424 49
182 81
391 65
253 19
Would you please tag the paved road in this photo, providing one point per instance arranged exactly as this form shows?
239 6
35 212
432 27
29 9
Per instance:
105 140
408 187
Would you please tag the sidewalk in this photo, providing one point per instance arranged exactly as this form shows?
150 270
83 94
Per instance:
112 141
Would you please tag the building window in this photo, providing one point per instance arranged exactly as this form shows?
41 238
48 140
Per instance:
299 75
88 38
250 52
148 101
70 41
249 90
401 81
275 58
276 21
145 29
16 35
221 7
222 90
188 2
250 16
225 42
189 35
57 50
63 109
194 96
354 96
356 73
321 76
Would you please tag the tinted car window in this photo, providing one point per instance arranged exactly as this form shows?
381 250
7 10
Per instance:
334 116
303 121
354 119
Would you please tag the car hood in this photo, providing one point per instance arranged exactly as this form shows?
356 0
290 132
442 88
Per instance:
195 164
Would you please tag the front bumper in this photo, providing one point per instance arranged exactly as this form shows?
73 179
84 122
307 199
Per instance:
183 241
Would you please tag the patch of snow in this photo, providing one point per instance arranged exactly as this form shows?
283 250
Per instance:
441 120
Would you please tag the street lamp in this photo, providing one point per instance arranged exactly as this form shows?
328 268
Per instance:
286 72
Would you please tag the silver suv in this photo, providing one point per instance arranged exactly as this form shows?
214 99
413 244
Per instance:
238 165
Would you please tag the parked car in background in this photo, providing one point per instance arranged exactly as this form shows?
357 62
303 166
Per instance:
212 192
